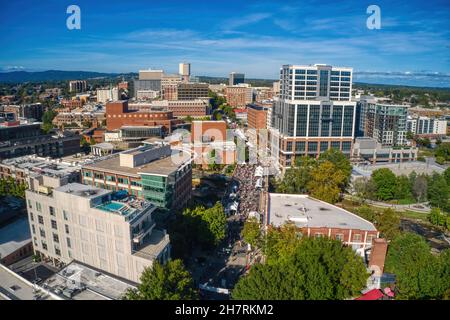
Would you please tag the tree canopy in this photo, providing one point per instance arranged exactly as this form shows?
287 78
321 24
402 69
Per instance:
385 183
326 182
164 282
251 231
317 269
325 178
419 274
197 226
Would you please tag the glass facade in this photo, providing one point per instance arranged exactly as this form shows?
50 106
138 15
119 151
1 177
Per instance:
158 190
326 121
348 122
323 89
314 116
337 121
302 118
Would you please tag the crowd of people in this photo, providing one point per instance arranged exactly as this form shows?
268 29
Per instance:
248 195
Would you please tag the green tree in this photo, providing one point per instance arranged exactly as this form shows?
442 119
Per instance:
206 227
251 231
385 183
388 223
443 150
403 188
437 217
326 182
418 272
439 192
367 213
317 269
340 161
47 119
364 188
446 175
419 188
217 222
295 179
280 243
164 282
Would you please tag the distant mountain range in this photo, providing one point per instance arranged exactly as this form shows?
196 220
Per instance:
416 79
52 75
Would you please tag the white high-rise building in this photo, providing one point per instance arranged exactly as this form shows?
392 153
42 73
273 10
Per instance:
313 112
109 94
184 69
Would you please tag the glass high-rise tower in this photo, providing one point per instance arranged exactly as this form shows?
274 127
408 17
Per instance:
313 112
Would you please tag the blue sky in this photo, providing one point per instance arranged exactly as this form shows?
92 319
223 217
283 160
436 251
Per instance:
255 37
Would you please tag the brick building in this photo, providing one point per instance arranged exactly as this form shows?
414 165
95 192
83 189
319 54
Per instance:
256 117
212 135
28 111
192 91
118 114
72 104
317 218
239 96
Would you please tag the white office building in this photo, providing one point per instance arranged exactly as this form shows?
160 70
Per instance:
313 112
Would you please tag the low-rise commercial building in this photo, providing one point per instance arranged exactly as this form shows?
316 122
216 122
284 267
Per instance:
317 218
53 171
152 172
15 241
72 104
370 150
210 142
25 139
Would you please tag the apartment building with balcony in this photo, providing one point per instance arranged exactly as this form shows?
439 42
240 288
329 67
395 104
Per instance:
426 126
386 123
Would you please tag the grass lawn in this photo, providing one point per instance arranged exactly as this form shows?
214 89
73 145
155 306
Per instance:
353 207
414 215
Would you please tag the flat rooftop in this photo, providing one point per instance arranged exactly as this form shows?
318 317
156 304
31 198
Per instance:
157 241
14 236
82 190
399 168
14 287
164 166
305 211
127 207
87 283
45 166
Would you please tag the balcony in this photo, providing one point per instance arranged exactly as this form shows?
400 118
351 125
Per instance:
144 230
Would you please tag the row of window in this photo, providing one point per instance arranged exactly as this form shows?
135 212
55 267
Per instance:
340 236
300 146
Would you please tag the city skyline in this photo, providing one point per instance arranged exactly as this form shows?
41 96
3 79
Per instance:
255 38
